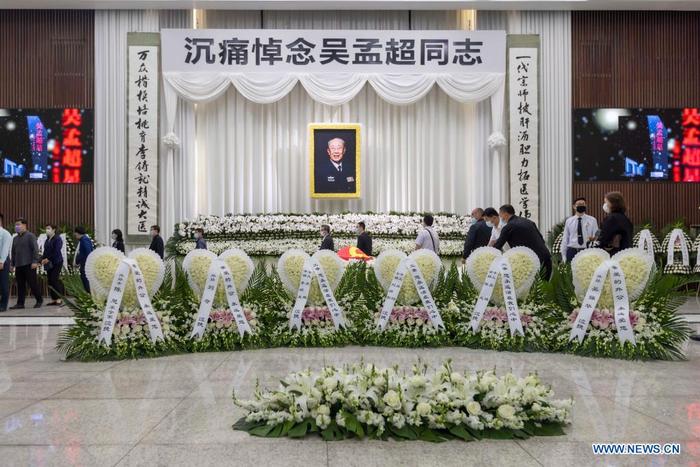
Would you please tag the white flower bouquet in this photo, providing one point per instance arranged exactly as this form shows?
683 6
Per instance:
131 337
678 265
658 332
494 329
317 328
274 234
222 331
409 323
362 400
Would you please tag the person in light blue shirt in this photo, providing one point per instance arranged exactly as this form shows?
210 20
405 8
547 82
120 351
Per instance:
84 250
5 245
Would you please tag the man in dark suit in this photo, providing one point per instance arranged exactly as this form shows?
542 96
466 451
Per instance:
364 241
337 173
519 231
157 244
478 235
327 242
84 249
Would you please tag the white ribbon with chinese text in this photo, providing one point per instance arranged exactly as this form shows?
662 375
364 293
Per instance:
677 235
219 268
499 266
620 300
645 242
409 265
313 268
114 300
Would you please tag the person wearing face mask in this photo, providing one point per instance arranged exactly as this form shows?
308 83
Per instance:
118 240
157 244
518 231
199 237
327 242
52 260
84 250
364 241
478 235
5 247
25 261
616 231
493 222
579 231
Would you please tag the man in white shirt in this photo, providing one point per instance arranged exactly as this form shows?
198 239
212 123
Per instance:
579 231
428 238
493 220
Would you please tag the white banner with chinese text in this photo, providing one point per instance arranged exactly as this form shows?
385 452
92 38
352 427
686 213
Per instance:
142 137
523 81
332 51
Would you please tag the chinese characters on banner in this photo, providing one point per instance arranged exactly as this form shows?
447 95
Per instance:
686 156
142 129
314 51
524 132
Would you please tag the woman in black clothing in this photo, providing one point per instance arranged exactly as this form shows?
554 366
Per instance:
616 231
52 260
118 240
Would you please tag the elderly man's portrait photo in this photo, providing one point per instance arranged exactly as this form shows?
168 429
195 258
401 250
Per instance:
334 158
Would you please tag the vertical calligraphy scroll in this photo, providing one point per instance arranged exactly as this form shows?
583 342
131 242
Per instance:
523 81
142 135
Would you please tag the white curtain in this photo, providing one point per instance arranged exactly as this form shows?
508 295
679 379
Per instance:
554 29
253 157
111 28
110 114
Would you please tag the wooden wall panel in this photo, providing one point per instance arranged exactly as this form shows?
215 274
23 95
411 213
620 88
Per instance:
47 58
43 202
635 58
658 202
47 61
638 59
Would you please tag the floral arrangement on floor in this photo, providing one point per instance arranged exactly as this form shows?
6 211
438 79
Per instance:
654 239
131 336
362 400
408 323
677 257
316 326
276 247
274 234
222 331
546 310
494 329
658 332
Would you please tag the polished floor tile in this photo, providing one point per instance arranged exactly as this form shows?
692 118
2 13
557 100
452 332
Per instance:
178 410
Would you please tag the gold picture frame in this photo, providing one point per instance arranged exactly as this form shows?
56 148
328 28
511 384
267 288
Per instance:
339 178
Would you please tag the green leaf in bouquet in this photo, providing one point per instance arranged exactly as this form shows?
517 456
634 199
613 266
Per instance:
353 425
461 432
301 429
547 429
333 432
405 432
426 434
263 430
490 433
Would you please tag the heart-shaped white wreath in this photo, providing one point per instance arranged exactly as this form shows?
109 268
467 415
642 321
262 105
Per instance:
386 264
197 263
102 265
635 264
291 265
523 262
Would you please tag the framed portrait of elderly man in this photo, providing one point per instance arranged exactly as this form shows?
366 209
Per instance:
334 159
